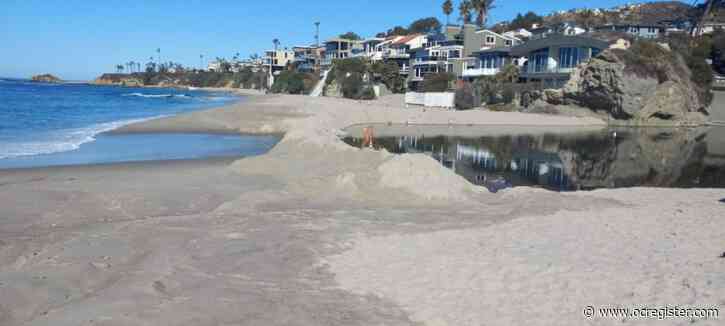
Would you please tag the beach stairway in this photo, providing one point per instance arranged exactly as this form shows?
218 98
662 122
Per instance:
317 91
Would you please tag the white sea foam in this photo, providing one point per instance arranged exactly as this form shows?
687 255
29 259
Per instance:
157 95
62 140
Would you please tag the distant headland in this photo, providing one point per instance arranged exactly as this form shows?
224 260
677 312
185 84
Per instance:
46 78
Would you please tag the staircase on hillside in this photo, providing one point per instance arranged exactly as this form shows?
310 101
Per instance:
317 91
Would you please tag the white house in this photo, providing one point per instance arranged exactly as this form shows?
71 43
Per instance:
520 33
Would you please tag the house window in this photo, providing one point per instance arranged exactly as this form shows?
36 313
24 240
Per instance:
508 42
490 40
491 62
539 60
570 57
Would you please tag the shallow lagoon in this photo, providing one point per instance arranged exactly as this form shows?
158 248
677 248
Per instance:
499 157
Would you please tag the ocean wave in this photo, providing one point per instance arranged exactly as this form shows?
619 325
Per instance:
219 98
63 140
157 95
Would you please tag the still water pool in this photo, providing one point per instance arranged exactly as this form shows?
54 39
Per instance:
499 157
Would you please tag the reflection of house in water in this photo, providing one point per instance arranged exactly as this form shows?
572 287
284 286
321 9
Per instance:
481 166
527 168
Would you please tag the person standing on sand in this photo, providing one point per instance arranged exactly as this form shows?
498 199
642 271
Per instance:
367 137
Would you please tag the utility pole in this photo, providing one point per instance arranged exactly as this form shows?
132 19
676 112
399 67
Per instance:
158 58
318 58
317 34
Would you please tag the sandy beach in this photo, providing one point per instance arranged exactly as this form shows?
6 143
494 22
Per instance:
316 232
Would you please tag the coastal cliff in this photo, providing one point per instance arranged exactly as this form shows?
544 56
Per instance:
46 78
118 80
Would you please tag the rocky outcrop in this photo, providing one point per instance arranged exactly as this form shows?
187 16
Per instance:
634 90
118 80
46 78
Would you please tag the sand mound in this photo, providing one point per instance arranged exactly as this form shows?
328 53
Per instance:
423 176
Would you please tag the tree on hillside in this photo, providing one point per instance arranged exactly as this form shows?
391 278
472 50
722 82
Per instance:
587 19
526 21
119 68
448 10
464 10
482 9
424 25
351 36
397 30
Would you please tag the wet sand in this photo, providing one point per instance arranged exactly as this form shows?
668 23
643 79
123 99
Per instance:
316 232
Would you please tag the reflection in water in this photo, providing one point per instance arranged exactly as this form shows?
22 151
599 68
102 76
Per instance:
565 162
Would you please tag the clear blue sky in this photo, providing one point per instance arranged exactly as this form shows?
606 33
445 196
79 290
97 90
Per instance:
79 39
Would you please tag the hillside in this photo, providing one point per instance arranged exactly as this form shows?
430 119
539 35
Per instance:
651 12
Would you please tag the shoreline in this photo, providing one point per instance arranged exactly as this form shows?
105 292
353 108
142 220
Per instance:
111 128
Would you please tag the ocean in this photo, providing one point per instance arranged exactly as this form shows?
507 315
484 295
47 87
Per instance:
62 124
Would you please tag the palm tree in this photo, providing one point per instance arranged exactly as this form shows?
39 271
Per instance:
464 9
448 10
276 44
482 8
119 68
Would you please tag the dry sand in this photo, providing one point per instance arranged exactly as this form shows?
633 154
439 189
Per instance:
316 232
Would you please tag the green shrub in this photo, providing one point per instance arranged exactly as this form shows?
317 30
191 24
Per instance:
464 97
368 93
646 59
389 74
351 85
694 52
438 82
343 67
289 82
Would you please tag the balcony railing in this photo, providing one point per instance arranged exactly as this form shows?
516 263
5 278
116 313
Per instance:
547 70
480 72
430 60
396 55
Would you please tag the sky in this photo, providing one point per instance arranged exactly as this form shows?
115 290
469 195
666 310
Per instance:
81 39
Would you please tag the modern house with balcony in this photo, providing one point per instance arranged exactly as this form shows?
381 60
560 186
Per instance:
340 48
552 59
435 59
489 63
372 48
475 40
400 48
307 58
278 59
648 31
